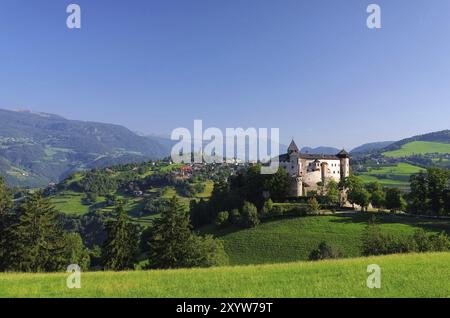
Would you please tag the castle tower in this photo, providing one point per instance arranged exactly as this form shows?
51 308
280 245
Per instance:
344 163
324 170
293 148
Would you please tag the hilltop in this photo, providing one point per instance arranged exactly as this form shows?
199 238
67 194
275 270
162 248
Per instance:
393 164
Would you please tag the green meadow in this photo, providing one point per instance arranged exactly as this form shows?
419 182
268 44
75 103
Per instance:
293 239
69 202
391 176
406 275
419 147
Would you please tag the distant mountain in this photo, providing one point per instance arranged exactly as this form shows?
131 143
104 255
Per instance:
36 148
372 146
321 150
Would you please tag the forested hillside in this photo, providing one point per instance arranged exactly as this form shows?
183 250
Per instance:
37 148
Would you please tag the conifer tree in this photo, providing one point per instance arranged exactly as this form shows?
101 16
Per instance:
172 244
121 245
5 220
36 237
170 236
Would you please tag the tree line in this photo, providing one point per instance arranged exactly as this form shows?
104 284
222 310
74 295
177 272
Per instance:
33 239
429 194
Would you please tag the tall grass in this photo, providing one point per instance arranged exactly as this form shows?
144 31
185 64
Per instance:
410 275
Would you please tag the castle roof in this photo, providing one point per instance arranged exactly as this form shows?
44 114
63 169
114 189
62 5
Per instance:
309 156
293 147
343 154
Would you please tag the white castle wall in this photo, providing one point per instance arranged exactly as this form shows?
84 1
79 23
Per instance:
310 172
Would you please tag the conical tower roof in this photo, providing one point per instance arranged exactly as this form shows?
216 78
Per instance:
293 147
343 154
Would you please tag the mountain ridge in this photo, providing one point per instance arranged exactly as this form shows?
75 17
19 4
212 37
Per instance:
36 149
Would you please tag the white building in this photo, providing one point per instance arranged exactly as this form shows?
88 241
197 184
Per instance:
306 170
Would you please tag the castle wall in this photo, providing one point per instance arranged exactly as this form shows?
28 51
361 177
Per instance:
306 173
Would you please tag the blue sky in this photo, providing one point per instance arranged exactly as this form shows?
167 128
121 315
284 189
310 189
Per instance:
311 68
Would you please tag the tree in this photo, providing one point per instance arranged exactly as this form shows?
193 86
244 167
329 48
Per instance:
75 252
419 193
438 182
5 198
173 245
205 251
267 208
36 237
378 199
353 185
278 184
360 196
249 215
313 205
90 198
222 218
332 196
5 221
120 247
235 216
395 200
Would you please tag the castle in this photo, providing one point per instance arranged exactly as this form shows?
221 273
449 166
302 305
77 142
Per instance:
307 170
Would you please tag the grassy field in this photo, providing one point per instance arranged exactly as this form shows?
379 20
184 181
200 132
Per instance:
69 202
293 239
407 275
391 176
419 147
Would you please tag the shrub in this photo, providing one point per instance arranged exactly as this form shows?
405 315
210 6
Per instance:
249 215
313 205
377 243
222 218
267 208
324 251
206 251
439 242
90 198
395 200
235 216
277 211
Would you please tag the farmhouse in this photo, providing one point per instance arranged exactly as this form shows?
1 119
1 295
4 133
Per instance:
307 170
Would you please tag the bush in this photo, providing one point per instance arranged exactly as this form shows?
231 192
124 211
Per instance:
324 251
206 251
222 218
440 242
313 205
249 215
90 198
395 200
277 211
155 206
235 216
377 243
267 208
